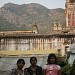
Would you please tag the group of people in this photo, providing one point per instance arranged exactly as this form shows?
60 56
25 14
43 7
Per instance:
51 68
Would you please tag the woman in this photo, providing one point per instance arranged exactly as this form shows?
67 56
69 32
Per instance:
51 68
19 70
34 69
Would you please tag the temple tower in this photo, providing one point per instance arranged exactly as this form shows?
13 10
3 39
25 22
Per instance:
35 29
70 13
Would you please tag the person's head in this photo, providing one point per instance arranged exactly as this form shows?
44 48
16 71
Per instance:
52 59
20 63
33 60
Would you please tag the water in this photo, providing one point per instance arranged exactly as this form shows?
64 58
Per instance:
8 63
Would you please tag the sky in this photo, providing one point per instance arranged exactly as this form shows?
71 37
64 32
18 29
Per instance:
51 4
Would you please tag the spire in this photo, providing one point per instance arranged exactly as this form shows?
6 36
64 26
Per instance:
55 26
59 26
35 28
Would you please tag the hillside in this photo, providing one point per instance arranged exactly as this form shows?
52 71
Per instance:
22 17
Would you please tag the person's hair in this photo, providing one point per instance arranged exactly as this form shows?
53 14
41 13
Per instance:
49 57
33 58
20 60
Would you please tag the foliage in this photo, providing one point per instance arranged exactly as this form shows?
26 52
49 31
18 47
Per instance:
73 68
61 61
66 69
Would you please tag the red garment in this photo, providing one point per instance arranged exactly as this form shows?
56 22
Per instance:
54 70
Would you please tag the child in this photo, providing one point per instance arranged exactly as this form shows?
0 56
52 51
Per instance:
51 68
19 70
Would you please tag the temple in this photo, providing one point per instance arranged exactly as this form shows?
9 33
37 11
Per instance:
60 38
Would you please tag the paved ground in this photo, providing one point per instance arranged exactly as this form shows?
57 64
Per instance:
8 63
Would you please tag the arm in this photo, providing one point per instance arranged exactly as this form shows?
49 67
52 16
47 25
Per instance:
44 72
40 71
59 72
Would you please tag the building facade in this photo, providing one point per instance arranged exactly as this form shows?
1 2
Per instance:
60 38
70 13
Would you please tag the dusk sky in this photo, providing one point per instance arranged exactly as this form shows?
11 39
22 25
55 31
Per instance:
51 4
